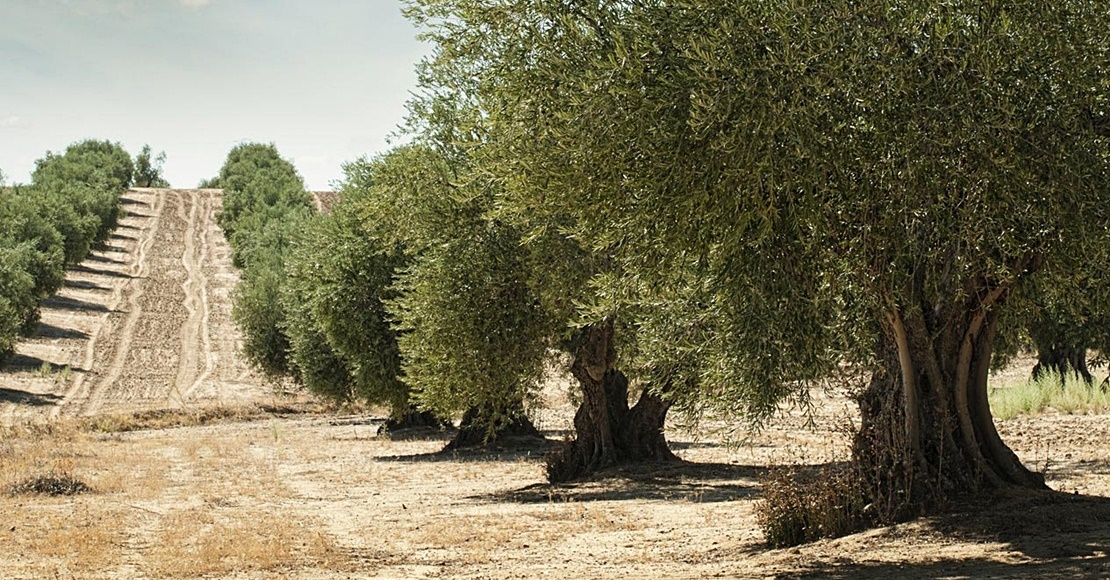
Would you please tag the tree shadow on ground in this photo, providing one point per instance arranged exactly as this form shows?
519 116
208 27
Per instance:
663 481
67 303
26 363
101 272
19 397
104 259
1058 536
50 331
112 248
507 449
129 213
119 236
85 285
129 201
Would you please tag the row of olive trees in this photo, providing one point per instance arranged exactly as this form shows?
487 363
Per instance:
323 295
756 193
71 205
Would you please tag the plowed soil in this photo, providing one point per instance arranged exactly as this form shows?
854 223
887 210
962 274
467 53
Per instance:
145 324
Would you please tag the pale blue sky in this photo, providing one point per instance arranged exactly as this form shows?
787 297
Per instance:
326 80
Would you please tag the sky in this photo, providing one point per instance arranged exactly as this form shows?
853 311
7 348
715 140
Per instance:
325 80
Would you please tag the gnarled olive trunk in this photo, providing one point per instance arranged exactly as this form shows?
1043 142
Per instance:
607 431
926 427
485 425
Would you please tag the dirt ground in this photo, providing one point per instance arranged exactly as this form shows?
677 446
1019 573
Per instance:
300 492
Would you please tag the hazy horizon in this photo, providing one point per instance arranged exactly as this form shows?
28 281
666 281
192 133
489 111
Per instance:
324 81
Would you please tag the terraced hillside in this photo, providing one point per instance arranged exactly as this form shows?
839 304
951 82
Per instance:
144 322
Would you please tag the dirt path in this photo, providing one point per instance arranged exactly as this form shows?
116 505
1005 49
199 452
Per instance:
136 325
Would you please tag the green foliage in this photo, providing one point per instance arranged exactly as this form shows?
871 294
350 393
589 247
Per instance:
148 171
257 311
37 241
18 299
339 274
472 329
99 163
798 169
255 178
264 207
72 204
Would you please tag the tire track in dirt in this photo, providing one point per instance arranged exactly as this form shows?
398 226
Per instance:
158 332
136 271
129 361
196 338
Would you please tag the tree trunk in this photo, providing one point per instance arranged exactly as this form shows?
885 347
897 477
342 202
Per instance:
607 431
484 425
410 418
1059 360
926 428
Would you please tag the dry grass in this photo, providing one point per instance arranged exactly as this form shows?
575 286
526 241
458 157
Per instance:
191 417
53 539
210 541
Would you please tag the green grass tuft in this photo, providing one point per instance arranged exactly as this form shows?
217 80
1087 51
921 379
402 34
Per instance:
1030 397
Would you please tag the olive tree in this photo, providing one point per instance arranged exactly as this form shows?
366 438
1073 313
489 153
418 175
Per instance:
466 327
866 182
339 277
148 170
264 208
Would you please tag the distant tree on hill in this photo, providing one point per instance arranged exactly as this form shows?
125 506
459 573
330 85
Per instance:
148 170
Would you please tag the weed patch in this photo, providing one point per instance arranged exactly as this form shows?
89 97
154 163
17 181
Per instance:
54 483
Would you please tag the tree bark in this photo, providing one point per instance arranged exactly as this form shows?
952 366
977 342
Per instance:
934 364
607 431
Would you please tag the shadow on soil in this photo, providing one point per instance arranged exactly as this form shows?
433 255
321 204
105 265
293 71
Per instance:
509 449
105 259
50 331
84 285
18 397
101 272
24 363
119 236
66 303
670 481
1059 536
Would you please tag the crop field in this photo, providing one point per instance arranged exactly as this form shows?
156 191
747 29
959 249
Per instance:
136 443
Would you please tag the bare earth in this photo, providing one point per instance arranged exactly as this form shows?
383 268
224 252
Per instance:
145 324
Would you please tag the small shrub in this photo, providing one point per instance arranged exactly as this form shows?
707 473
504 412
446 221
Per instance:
53 483
799 508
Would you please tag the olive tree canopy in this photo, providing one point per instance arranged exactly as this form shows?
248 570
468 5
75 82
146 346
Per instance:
791 185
